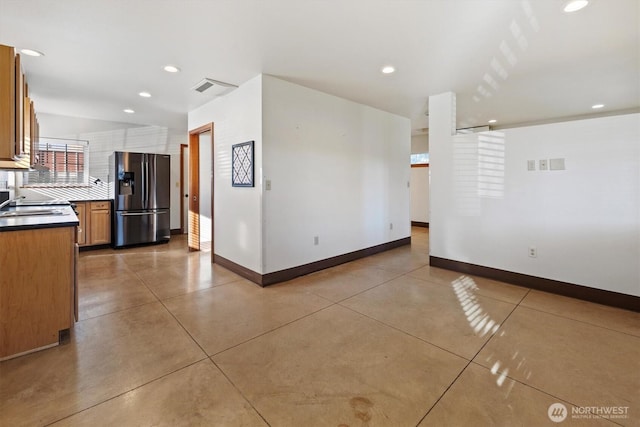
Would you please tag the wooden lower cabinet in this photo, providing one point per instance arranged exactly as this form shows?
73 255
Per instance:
95 223
81 213
37 288
100 223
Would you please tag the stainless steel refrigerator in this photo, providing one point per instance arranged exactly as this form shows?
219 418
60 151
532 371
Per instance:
141 189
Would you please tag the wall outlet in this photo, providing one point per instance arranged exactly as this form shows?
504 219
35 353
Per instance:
531 165
316 240
543 165
533 252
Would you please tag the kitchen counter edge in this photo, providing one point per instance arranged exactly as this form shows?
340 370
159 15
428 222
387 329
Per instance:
68 219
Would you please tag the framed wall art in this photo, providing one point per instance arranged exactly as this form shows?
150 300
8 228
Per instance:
242 164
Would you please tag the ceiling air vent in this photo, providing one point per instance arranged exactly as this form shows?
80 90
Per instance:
207 84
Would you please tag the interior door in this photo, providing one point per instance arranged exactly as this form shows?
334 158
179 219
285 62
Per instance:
206 192
194 192
196 138
184 188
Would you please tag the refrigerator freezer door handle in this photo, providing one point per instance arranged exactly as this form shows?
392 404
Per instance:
145 181
143 213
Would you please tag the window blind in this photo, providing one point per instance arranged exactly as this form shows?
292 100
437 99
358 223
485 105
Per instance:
59 163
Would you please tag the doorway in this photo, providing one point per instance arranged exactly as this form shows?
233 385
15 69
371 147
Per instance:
206 191
200 194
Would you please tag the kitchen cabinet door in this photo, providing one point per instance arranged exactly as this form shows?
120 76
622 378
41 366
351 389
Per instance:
100 223
19 101
7 103
37 297
81 208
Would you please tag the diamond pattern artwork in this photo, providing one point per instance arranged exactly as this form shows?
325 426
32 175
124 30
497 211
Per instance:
242 165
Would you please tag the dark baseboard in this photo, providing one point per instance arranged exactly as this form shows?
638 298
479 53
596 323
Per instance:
175 231
93 248
238 269
600 296
301 270
419 224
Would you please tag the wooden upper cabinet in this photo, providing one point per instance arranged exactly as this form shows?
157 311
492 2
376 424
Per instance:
20 146
15 113
7 103
27 120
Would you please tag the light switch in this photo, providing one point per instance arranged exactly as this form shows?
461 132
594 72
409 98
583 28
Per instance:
531 165
267 185
543 165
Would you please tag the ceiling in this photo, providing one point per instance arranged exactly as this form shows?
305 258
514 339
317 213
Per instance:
511 60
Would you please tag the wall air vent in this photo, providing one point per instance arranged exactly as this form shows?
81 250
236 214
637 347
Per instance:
213 86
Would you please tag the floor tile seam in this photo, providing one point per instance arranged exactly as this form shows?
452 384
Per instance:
444 392
146 285
579 321
493 335
366 290
239 390
473 359
467 365
479 294
533 387
118 311
184 328
271 330
200 290
403 273
362 276
126 266
126 391
405 332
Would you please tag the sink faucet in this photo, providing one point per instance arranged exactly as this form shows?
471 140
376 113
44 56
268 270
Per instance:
6 202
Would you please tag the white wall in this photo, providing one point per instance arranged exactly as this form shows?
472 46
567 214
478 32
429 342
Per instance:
420 143
338 170
420 194
237 118
106 137
584 221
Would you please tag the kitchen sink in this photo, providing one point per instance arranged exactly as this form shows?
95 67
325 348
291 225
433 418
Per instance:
30 212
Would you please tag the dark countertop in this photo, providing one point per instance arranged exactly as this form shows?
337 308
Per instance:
67 219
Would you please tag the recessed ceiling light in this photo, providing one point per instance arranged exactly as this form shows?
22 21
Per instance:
493 121
145 94
128 111
575 5
171 69
595 107
388 69
31 52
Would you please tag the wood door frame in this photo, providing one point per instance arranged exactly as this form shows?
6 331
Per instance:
183 147
194 187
